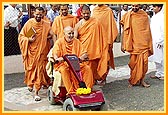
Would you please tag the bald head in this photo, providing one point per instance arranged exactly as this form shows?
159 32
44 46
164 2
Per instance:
85 7
68 29
86 12
69 33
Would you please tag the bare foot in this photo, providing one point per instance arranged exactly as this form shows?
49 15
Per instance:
30 89
129 86
138 83
101 83
161 78
37 98
45 87
145 84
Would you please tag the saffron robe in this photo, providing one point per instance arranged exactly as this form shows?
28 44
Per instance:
95 43
34 53
61 47
60 22
137 40
106 17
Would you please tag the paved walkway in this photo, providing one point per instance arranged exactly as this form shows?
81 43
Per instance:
20 99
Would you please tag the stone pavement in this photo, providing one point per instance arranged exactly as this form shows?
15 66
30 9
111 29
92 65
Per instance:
20 99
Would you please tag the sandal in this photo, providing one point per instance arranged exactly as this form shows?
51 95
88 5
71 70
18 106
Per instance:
101 83
30 89
129 86
45 87
37 98
145 85
155 77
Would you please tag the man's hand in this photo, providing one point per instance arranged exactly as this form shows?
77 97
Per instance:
7 24
51 59
32 38
84 57
122 49
49 36
110 46
56 61
60 59
159 46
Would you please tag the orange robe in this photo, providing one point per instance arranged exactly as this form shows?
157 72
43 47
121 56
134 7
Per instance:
61 47
49 42
35 54
60 22
105 15
137 41
95 43
47 19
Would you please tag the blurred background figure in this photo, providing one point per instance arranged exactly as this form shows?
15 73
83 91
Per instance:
120 15
157 30
74 9
53 12
28 15
11 21
79 10
92 6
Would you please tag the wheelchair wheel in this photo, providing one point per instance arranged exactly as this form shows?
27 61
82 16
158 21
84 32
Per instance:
104 107
50 96
69 106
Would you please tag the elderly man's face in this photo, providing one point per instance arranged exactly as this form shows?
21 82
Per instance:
86 14
69 35
135 7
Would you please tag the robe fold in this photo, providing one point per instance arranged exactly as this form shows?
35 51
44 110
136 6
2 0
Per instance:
95 43
60 22
105 15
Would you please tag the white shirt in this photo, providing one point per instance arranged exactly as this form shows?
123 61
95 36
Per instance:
51 14
11 14
74 9
91 9
118 20
157 30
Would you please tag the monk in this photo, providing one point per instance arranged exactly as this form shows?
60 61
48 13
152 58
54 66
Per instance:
63 20
71 45
106 17
137 41
34 51
90 34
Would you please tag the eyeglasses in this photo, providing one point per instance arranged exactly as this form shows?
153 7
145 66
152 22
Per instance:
70 33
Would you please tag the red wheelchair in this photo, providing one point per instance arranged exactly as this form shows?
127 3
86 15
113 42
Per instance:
72 102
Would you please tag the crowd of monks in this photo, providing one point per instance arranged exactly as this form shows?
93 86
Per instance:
92 35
